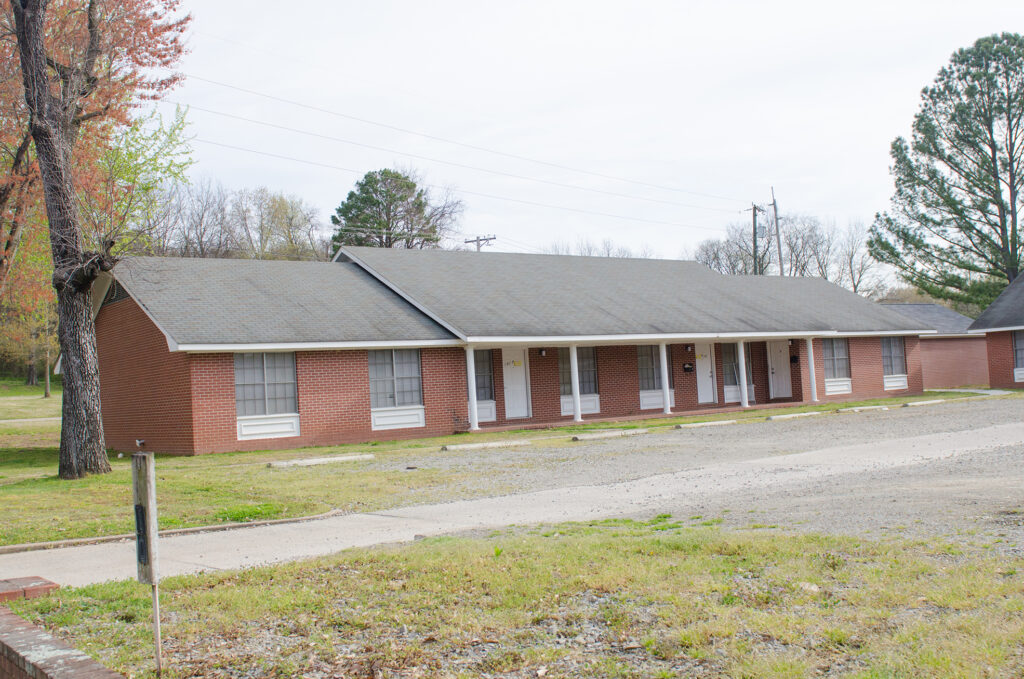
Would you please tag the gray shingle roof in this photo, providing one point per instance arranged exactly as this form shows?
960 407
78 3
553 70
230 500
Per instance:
235 301
1007 311
507 294
934 316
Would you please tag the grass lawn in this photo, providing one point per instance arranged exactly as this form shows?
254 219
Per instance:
18 401
212 489
662 598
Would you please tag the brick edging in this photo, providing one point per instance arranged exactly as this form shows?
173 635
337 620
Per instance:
30 652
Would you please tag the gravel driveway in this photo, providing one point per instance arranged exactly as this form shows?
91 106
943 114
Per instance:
977 496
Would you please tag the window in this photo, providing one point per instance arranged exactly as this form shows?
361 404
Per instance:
395 378
731 363
648 359
586 363
837 358
483 360
265 384
894 360
1018 349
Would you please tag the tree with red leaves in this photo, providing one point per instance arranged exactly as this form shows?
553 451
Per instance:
85 65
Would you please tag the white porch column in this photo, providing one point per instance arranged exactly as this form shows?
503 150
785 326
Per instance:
665 391
741 358
574 379
474 415
810 370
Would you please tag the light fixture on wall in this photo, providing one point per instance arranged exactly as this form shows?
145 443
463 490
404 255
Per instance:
543 352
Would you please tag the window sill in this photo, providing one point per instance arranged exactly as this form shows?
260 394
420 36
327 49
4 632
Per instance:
894 382
400 417
590 404
838 385
252 427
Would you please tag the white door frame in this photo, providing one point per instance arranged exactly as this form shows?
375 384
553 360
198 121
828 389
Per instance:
529 390
714 371
784 370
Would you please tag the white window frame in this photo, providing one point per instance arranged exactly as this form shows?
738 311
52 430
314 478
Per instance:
267 425
590 398
405 416
893 379
1017 346
731 392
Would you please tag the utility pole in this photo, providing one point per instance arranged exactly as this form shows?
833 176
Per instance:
778 237
480 241
754 209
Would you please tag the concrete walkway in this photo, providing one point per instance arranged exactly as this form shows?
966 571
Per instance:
270 544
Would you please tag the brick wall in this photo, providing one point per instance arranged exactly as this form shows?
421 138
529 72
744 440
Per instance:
144 387
866 369
29 652
185 403
954 362
1000 360
334 400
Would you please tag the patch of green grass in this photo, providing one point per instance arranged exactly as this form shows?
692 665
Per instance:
210 489
604 598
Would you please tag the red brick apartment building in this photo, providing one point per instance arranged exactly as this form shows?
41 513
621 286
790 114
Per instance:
952 356
206 355
1002 323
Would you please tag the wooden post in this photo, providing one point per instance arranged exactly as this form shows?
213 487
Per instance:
144 496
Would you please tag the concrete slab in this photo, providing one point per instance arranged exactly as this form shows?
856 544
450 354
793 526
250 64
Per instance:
598 435
699 425
791 416
510 443
859 409
314 461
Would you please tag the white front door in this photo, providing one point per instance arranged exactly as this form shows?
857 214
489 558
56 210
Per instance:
517 383
707 390
780 379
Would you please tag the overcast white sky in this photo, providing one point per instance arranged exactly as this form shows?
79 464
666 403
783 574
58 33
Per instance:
716 101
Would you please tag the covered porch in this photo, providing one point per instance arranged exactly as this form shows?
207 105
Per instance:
536 381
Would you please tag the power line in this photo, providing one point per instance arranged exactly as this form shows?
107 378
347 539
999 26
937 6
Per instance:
471 193
446 162
453 142
480 241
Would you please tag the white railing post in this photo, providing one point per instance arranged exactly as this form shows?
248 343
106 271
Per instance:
741 358
810 370
474 415
665 391
574 379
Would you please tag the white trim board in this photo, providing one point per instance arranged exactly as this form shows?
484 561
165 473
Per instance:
838 385
400 417
894 382
590 404
315 346
982 331
674 338
253 427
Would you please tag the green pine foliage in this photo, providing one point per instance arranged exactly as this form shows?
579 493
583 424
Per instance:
952 230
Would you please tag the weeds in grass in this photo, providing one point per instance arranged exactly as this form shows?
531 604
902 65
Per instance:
604 598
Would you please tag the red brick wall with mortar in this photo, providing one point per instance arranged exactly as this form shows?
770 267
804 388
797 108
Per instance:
29 652
334 400
1000 360
866 369
954 362
144 387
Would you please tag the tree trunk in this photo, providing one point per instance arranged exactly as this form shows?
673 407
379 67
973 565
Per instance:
31 374
53 125
46 389
82 449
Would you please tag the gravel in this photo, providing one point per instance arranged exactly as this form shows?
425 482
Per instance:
973 497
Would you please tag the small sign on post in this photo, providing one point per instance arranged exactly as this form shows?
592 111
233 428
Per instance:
144 496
